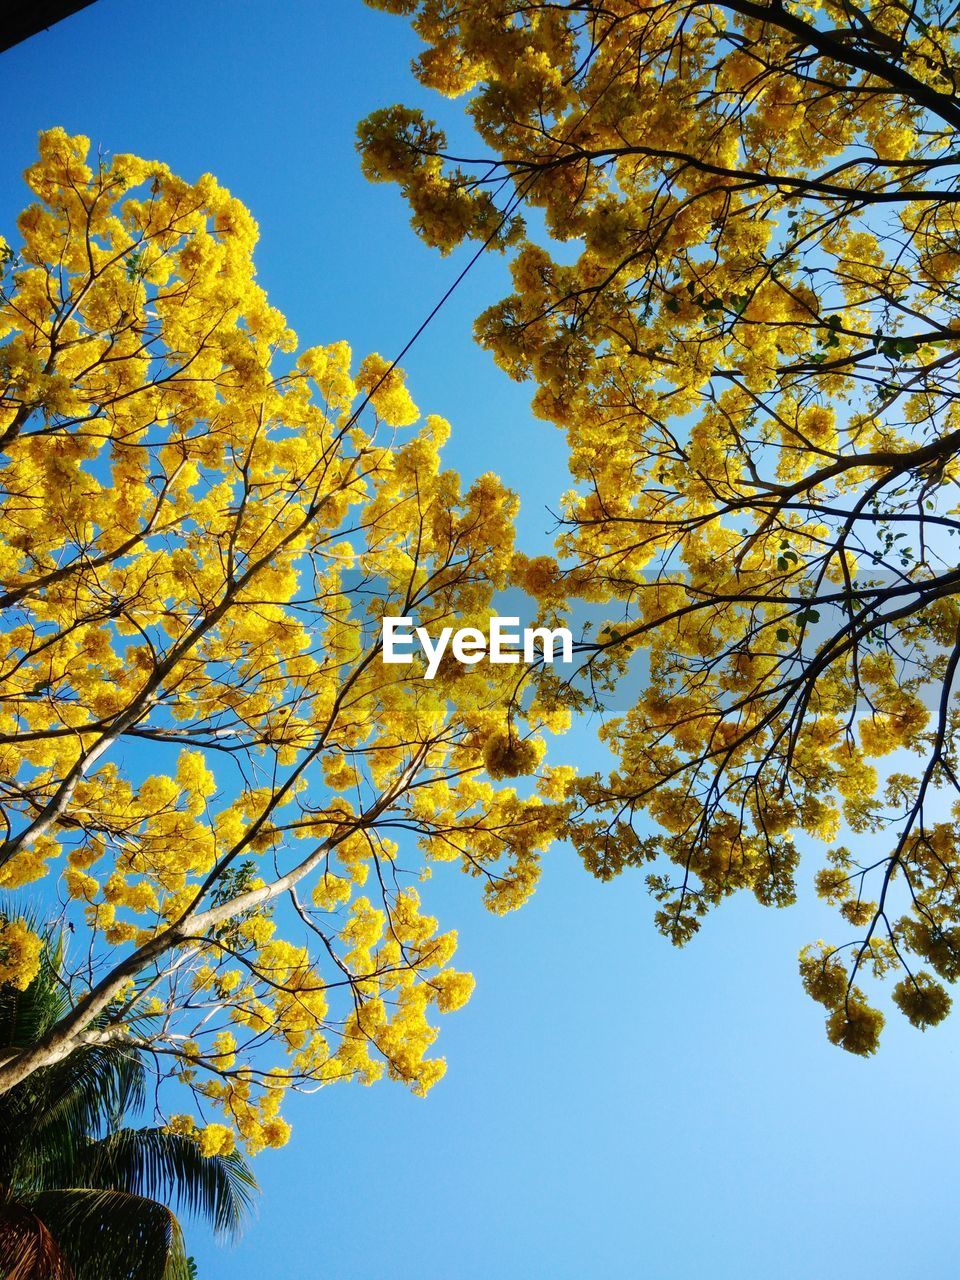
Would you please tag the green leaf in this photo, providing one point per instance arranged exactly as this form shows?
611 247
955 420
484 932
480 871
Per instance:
110 1234
169 1166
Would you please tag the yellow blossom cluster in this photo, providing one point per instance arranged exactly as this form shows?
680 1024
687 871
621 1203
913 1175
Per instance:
732 236
200 746
20 952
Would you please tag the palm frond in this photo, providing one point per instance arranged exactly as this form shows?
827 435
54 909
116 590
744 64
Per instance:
113 1234
170 1166
46 1121
27 1249
95 1086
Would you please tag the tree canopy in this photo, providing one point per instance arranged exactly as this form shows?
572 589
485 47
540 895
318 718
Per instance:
204 765
733 238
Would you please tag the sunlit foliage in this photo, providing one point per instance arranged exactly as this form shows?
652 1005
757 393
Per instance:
203 759
733 235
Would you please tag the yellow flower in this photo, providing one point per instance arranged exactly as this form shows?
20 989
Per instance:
20 951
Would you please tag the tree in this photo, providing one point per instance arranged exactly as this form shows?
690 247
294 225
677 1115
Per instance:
736 293
81 1195
201 751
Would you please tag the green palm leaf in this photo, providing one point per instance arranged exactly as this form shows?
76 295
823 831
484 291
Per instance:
170 1166
51 1117
112 1234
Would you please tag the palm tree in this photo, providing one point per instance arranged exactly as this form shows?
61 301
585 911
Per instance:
81 1196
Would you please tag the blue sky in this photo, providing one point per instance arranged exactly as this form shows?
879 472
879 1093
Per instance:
613 1108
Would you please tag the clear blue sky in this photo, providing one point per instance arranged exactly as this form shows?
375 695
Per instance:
613 1109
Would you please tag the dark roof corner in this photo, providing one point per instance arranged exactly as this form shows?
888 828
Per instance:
21 19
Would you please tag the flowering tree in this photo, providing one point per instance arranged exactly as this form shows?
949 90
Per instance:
750 339
205 766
